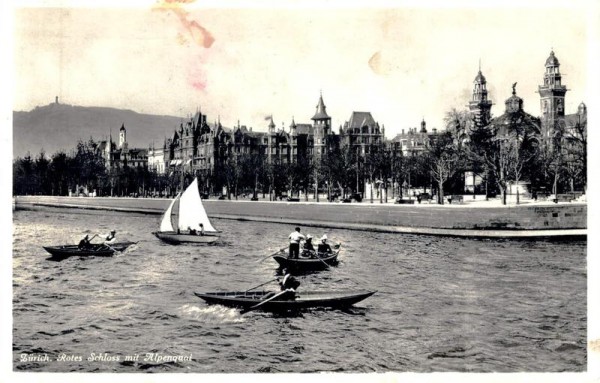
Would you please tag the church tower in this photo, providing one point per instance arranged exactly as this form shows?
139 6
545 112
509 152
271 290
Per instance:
552 95
122 137
480 106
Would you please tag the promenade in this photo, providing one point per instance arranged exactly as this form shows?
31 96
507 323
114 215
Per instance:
472 218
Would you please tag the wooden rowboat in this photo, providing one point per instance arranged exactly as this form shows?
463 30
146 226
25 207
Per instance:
307 264
303 300
99 250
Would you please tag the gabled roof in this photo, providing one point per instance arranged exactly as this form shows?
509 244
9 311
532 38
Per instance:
360 119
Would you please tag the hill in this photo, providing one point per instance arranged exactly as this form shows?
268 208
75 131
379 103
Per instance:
57 127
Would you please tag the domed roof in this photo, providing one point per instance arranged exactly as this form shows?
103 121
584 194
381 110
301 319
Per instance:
552 60
480 78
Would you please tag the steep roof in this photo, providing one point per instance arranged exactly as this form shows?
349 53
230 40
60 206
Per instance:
321 113
360 119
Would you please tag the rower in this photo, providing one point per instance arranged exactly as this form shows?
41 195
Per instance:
289 283
85 242
110 237
295 237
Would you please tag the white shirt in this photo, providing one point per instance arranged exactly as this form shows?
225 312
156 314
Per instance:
295 237
109 241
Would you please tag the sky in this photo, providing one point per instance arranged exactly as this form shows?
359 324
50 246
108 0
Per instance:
403 63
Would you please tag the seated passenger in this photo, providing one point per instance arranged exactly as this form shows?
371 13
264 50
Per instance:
191 231
308 250
324 247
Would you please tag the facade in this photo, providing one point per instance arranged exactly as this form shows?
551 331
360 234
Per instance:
117 156
204 150
361 132
412 142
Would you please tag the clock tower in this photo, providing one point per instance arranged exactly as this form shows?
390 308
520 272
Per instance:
552 98
480 106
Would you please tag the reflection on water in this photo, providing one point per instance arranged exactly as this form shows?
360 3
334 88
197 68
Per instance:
443 304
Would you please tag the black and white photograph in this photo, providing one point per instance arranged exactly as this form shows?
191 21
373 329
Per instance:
360 191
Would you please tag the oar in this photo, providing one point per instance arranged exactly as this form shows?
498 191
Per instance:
262 284
319 258
270 255
244 311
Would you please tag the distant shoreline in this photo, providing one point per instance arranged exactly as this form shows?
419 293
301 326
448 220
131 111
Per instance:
479 220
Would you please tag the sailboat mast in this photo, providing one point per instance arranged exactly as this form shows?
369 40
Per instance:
182 177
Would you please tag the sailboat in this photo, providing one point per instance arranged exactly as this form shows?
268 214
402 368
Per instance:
191 215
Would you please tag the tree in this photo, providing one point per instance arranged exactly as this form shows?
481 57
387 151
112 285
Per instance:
513 147
443 159
59 173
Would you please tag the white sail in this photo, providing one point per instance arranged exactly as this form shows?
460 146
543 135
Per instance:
191 210
165 224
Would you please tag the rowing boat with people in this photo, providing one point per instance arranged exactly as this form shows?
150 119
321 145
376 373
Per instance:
246 300
315 262
98 250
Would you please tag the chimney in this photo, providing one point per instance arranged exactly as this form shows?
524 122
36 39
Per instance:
434 131
56 100
402 130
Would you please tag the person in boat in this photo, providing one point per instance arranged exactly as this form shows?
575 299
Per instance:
324 248
201 231
191 231
295 238
308 250
288 281
290 284
85 243
110 237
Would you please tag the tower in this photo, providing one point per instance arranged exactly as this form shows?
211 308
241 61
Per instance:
271 141
122 137
552 97
322 127
480 106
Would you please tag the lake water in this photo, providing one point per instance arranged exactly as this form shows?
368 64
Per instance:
442 304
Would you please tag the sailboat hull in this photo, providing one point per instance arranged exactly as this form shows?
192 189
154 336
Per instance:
175 239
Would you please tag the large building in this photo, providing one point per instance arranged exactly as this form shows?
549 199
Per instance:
362 133
204 150
553 121
120 155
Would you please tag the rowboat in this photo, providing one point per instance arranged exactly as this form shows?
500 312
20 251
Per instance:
307 264
191 214
99 250
303 300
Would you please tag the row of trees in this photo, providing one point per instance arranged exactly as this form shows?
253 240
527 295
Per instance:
500 155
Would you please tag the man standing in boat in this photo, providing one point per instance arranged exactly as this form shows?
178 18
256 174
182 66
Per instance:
295 238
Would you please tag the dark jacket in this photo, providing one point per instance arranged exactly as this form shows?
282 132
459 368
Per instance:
289 282
324 248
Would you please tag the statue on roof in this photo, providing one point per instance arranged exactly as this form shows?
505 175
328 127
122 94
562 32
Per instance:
514 86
